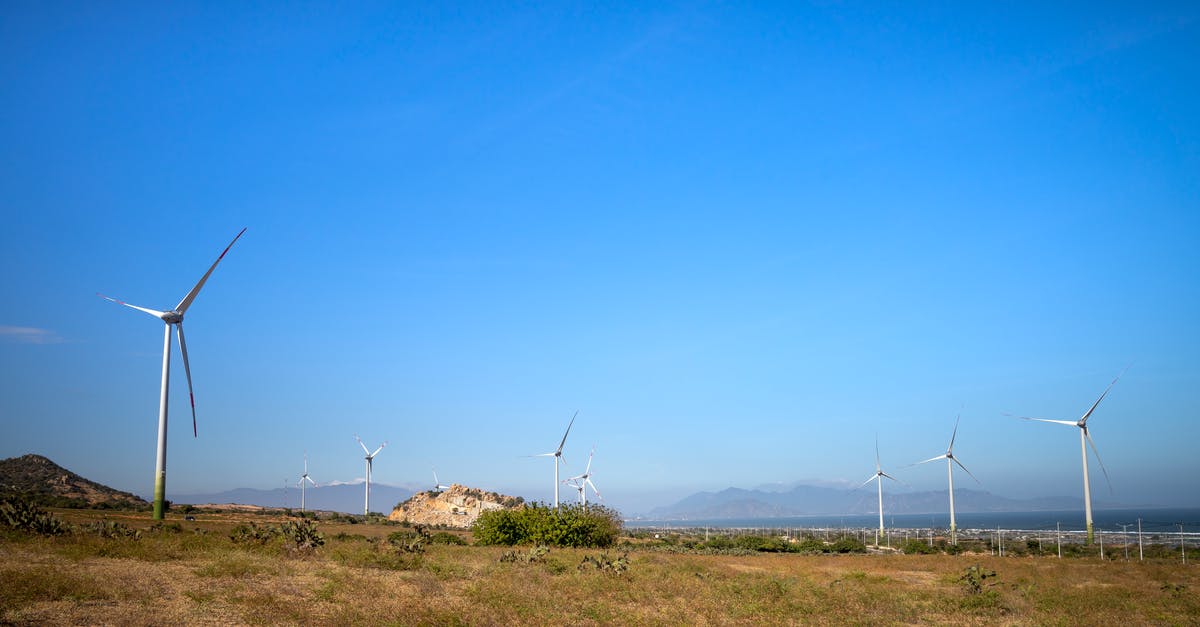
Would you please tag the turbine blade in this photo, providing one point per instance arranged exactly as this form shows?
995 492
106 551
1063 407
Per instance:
564 440
310 480
379 449
1057 422
187 300
589 464
1105 470
187 370
594 490
360 443
541 455
156 314
931 459
873 477
960 465
1083 421
877 467
955 434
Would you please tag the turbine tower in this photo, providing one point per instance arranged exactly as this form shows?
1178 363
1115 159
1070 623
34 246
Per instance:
579 482
174 318
878 476
950 461
1085 439
369 458
304 477
557 455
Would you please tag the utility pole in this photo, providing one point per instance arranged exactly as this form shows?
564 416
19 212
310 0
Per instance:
1100 534
1125 537
1059 527
1140 539
1182 550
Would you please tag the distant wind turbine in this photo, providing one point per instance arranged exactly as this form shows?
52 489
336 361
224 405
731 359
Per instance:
557 455
580 482
950 461
878 476
1085 439
370 457
437 485
304 477
174 318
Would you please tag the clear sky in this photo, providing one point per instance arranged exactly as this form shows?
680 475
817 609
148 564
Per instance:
740 241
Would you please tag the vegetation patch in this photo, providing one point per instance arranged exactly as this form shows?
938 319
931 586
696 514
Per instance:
565 526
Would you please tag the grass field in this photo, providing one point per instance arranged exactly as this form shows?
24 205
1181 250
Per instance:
196 574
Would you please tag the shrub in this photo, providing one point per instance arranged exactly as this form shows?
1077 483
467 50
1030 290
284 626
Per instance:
918 547
109 529
847 544
570 525
301 535
22 515
443 537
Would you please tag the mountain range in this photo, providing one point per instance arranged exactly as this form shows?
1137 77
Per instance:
806 500
339 497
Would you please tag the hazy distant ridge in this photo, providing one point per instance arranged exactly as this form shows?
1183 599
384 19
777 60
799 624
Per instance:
805 500
345 497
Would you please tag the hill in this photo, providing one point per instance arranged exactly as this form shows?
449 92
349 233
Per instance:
457 507
50 485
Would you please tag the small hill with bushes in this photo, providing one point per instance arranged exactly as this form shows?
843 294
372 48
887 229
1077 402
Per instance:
43 482
457 507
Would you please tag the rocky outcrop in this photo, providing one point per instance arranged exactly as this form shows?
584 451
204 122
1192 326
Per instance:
457 507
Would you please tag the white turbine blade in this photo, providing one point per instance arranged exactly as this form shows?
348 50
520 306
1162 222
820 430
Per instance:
314 483
360 443
436 483
156 314
960 465
1083 421
187 300
542 455
564 440
589 464
877 466
594 490
955 434
884 474
379 449
1102 468
931 459
1057 422
187 370
873 477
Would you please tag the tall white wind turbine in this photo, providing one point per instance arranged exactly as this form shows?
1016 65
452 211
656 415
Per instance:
580 482
369 458
557 455
950 461
1085 439
878 476
174 318
304 477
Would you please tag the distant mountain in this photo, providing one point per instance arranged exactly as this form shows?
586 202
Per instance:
343 497
48 484
807 500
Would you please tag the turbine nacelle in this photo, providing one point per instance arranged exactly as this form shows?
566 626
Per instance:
171 317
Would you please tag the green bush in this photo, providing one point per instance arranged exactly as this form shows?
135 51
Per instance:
847 544
569 525
22 515
918 547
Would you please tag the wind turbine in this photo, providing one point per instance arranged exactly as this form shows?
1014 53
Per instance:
950 461
174 318
878 476
304 477
370 456
437 485
557 455
579 482
1085 439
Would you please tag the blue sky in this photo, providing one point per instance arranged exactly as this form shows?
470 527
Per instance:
741 241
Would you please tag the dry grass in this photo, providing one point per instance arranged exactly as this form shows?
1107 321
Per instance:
202 577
